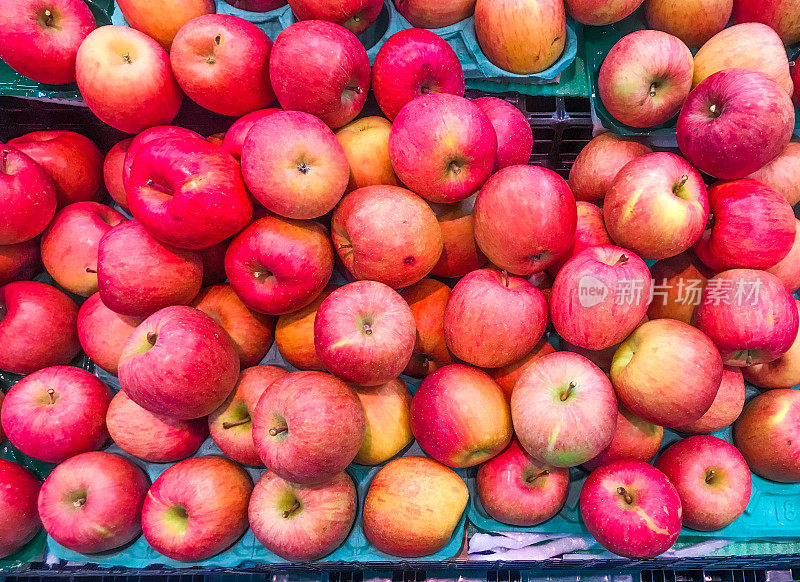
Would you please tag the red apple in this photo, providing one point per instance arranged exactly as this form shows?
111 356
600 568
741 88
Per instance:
530 200
252 333
601 12
364 333
20 262
332 56
40 39
423 14
765 435
294 165
427 300
788 268
182 521
752 226
712 479
598 163
645 78
678 284
781 15
277 265
147 136
411 63
667 372
514 133
37 327
222 63
19 490
515 488
460 416
657 206
721 106
162 19
179 362
387 409
507 376
355 15
360 225
493 319
521 36
750 315
294 334
27 195
308 453
231 424
103 332
783 372
727 405
783 173
599 297
692 22
125 78
460 253
139 275
753 46
634 439
237 133
93 502
555 401
112 172
443 147
56 413
152 437
413 506
188 193
70 243
302 523
365 142
631 508
72 160
590 231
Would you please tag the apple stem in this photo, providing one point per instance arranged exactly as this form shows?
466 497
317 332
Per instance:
51 395
275 431
566 394
625 495
227 425
161 188
291 510
343 246
533 478
5 161
218 39
621 260
90 270
710 474
679 185
505 277
152 337
749 359
652 90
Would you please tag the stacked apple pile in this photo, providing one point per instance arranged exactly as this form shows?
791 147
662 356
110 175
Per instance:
649 76
233 243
